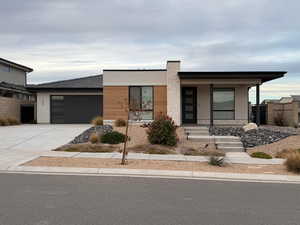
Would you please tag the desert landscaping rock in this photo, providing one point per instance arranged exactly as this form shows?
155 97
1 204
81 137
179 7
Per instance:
84 136
250 126
252 138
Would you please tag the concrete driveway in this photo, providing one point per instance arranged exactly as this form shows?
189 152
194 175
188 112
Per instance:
26 141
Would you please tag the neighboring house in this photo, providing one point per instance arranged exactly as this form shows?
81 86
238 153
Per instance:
15 100
196 97
285 110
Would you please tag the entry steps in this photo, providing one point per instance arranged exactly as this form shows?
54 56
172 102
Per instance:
225 143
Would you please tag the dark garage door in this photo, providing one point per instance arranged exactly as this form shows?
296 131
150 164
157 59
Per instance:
75 108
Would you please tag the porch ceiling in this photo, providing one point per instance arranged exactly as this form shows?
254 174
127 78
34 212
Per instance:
264 76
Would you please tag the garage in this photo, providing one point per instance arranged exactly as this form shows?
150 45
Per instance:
67 109
74 101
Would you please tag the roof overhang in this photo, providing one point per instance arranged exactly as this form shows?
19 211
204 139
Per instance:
264 76
15 65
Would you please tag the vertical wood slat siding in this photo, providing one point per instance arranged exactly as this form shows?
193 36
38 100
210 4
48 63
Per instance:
160 100
115 97
114 100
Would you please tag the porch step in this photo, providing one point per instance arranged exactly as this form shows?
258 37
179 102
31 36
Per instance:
229 144
216 139
196 131
231 149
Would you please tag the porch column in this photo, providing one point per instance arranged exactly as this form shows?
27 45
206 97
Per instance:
211 94
257 104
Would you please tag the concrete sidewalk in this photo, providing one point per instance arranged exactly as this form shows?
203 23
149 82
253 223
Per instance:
267 178
231 157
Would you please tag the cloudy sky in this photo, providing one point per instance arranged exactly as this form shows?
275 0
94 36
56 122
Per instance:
73 38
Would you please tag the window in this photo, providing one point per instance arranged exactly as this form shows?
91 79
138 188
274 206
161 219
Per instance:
6 68
141 103
223 104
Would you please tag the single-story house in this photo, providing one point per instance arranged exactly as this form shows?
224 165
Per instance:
189 97
15 100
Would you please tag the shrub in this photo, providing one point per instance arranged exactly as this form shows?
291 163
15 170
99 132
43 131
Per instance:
292 162
156 149
279 119
94 138
261 155
113 137
162 131
120 123
13 121
97 121
285 152
216 161
87 147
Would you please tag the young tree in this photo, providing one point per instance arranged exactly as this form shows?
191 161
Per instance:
133 113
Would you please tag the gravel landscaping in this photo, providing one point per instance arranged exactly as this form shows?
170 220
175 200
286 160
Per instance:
289 143
252 138
156 165
84 136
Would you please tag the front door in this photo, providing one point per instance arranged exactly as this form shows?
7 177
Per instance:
189 104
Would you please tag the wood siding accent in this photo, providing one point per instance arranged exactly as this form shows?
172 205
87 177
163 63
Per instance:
160 100
114 100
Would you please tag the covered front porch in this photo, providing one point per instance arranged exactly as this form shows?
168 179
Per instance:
220 98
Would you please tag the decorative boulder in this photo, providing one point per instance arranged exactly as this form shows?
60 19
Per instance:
250 126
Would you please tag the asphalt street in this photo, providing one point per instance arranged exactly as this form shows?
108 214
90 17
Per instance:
70 200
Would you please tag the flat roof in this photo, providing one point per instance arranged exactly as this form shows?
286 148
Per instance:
263 75
16 65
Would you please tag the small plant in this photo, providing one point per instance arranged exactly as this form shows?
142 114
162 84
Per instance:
13 121
113 137
216 161
120 123
292 162
279 119
261 155
97 121
162 131
94 138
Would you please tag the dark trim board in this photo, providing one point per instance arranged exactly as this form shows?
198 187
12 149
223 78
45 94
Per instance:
264 76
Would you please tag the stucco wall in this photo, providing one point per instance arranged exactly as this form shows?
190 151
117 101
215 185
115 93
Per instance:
174 91
14 76
241 105
43 104
134 78
288 111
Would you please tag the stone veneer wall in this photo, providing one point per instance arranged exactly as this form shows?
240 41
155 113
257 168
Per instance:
10 107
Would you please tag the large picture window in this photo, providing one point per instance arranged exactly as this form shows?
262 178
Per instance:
223 104
141 103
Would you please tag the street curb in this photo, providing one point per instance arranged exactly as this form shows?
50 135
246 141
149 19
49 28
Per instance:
169 174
